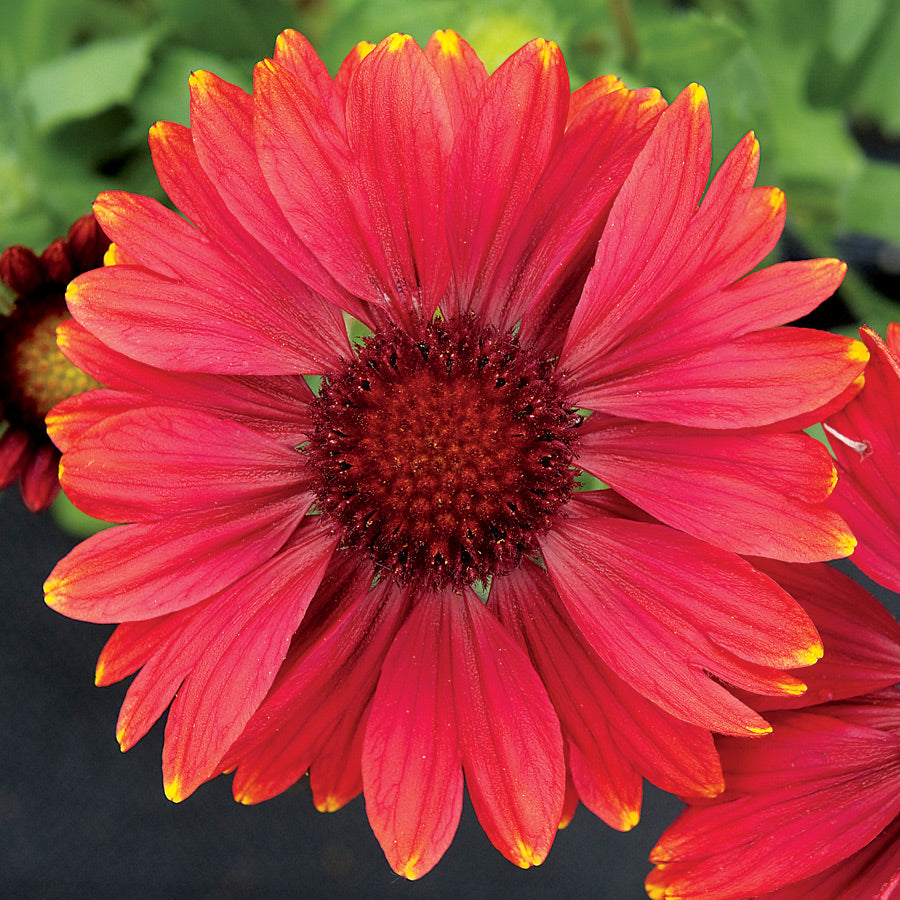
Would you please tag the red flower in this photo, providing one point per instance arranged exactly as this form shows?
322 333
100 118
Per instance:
812 810
865 438
34 375
563 240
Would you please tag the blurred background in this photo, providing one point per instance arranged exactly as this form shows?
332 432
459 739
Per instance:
81 82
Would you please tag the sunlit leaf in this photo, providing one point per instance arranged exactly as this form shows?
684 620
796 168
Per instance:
89 79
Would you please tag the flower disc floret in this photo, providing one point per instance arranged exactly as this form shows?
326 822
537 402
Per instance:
443 453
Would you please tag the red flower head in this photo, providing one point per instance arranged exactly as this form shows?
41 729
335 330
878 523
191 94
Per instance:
34 375
551 286
812 810
866 441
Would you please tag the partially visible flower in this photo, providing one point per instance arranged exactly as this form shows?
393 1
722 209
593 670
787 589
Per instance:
34 375
297 572
811 811
865 437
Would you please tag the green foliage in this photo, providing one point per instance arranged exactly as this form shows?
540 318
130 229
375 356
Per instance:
81 81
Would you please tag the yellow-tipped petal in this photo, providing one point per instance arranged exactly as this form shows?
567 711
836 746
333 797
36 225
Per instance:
697 94
858 352
173 790
396 42
449 42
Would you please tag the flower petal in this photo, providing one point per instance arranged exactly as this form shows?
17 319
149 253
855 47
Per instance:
39 480
296 54
461 72
151 463
511 743
619 734
227 655
398 125
497 160
273 404
663 609
323 690
144 571
645 227
308 167
412 761
753 380
759 494
15 447
216 178
868 489
861 638
821 787
551 248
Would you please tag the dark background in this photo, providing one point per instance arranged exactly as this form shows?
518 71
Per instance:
78 818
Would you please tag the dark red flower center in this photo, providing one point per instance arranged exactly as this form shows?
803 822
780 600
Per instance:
443 454
34 375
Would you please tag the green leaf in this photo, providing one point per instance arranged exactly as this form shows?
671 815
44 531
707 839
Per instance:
164 95
676 50
73 520
872 205
850 25
88 80
877 96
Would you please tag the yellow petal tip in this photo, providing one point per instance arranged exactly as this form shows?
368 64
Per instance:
448 41
396 42
696 94
329 804
858 352
173 790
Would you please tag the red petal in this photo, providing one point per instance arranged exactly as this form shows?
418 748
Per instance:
872 873
552 246
861 638
674 609
820 790
316 709
217 175
412 761
588 93
620 734
498 158
39 480
868 490
645 228
68 421
511 743
349 66
296 54
461 72
132 645
145 571
308 167
241 647
194 327
152 463
15 451
759 494
398 126
753 380
272 404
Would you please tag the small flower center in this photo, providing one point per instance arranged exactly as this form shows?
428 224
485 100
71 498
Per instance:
443 454
34 375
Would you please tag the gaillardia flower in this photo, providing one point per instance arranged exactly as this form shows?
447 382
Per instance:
34 375
865 438
811 811
393 582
